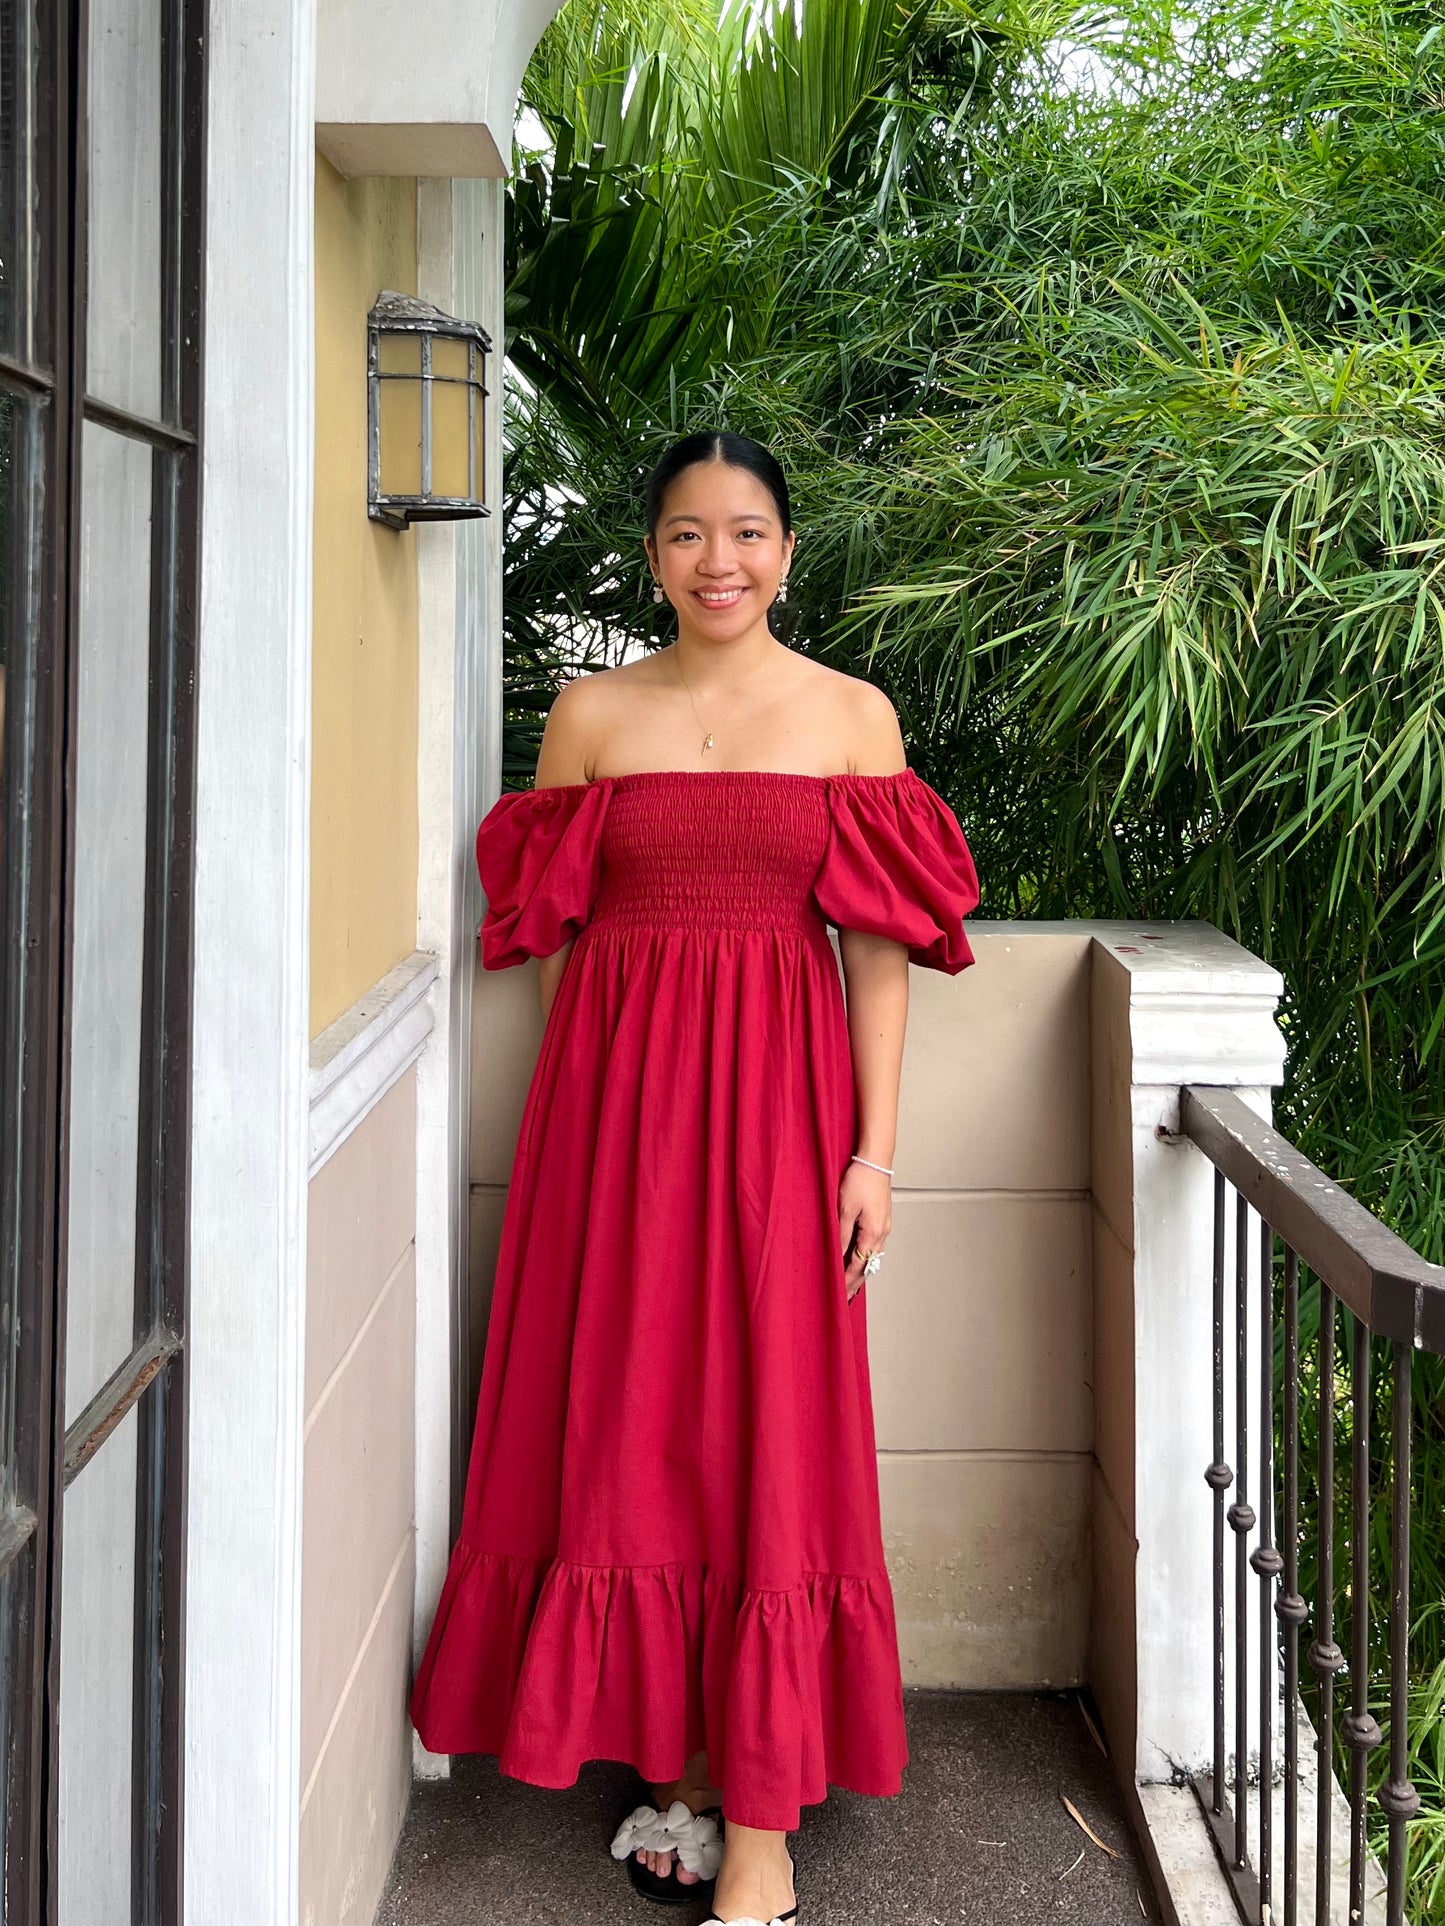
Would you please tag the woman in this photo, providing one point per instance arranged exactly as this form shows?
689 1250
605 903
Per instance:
671 1551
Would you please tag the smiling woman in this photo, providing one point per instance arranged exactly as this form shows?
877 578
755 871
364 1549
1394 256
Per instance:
682 1567
725 544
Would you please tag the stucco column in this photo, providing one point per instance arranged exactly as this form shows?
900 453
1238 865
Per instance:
249 1123
1172 1004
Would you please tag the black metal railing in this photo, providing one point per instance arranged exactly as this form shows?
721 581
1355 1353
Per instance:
1389 1294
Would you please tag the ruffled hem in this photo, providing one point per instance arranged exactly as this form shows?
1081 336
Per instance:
548 1665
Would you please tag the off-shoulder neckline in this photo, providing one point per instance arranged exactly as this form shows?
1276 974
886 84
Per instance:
772 775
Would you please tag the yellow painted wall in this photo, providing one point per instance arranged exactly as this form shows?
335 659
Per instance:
364 661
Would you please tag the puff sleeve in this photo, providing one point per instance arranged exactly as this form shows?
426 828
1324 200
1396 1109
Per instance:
896 864
539 857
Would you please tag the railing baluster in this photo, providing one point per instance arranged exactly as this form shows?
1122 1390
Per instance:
1290 1608
1218 1477
1268 1563
1359 1728
1241 1517
1397 1296
1398 1798
1324 1655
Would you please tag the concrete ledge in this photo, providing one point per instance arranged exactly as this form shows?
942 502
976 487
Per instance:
1190 1877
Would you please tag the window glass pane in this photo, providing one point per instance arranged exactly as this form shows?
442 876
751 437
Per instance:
17 1590
108 927
21 509
19 209
97 1670
123 317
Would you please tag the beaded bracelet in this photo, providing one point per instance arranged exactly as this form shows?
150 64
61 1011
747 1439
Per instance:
856 1159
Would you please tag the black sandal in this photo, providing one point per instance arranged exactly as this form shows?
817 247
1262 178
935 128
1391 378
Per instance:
693 1839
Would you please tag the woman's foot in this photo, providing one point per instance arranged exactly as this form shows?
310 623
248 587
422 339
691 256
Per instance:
755 1880
697 1795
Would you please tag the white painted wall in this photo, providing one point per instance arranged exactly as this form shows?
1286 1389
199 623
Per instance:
250 1045
251 1123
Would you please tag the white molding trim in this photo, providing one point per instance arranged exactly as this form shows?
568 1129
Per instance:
357 1059
1201 1007
1182 1036
251 977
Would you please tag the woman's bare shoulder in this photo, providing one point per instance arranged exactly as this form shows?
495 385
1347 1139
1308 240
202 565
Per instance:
565 751
864 722
584 708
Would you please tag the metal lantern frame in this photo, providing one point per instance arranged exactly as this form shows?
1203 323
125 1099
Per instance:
404 315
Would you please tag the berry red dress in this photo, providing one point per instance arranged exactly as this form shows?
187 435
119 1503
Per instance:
671 1534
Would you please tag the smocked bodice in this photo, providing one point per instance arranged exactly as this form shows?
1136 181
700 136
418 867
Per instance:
712 850
707 850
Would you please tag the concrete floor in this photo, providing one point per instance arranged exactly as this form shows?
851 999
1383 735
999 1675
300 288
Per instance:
979 1837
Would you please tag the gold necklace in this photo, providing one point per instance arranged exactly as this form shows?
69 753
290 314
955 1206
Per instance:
707 741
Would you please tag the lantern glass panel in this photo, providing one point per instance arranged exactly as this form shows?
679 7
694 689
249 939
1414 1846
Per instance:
399 354
479 474
449 433
449 357
400 403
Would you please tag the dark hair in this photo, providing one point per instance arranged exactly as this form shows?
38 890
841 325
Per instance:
738 451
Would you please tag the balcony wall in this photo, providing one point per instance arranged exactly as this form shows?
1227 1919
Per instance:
357 1526
980 1322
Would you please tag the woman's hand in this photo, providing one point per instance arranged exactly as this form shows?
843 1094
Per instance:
865 1217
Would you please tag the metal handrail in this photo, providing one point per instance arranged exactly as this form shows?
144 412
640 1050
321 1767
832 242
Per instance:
1369 1268
1391 1293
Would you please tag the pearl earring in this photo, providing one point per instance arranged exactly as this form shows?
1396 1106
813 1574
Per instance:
657 594
783 589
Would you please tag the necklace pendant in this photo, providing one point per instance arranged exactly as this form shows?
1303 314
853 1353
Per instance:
707 740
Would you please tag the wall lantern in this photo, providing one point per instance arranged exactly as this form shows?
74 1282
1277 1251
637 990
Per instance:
426 418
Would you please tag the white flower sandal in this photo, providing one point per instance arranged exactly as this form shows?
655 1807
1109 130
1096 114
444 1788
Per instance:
779 1919
694 1839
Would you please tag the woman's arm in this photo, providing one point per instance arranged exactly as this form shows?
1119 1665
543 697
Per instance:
549 971
875 973
562 758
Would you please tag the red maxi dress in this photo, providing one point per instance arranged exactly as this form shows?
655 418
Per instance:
671 1535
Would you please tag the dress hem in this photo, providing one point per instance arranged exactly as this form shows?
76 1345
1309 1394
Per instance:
548 1664
759 1821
